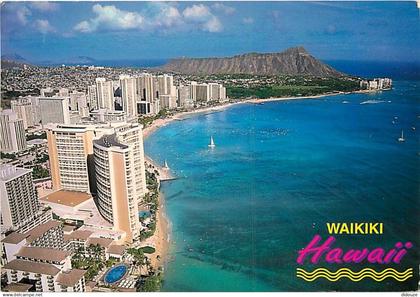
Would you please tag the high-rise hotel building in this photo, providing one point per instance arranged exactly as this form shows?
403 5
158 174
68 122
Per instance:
12 132
54 110
23 108
70 148
106 159
120 176
19 199
146 91
129 95
104 94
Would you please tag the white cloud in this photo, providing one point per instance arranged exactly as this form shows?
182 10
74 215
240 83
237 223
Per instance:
110 17
196 12
43 26
168 17
84 27
201 14
213 25
224 8
248 20
44 6
161 16
22 14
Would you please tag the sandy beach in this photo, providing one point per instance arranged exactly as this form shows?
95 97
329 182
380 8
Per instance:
160 240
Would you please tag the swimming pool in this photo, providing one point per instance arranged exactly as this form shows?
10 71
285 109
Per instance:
144 214
115 274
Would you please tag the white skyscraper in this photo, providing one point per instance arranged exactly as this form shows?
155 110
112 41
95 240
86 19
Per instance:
92 98
184 97
146 92
23 108
77 100
165 84
203 92
167 102
12 132
19 199
54 110
36 109
105 94
129 95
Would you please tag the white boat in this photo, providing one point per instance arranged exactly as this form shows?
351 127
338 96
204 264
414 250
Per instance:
401 139
212 145
165 165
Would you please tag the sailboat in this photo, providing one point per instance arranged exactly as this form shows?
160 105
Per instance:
165 165
401 139
211 145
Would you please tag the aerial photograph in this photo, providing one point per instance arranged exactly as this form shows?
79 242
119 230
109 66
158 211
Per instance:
216 146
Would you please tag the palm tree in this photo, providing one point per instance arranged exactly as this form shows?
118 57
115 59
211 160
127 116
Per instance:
95 251
138 256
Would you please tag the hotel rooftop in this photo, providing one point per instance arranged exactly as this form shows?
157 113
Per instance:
67 198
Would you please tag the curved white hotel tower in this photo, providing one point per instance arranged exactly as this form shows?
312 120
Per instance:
120 177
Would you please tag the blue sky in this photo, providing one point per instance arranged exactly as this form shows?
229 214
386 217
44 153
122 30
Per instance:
384 31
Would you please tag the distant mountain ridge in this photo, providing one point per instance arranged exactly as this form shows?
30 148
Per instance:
13 61
14 57
16 60
293 61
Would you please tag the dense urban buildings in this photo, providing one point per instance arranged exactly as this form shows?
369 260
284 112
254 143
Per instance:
38 260
376 84
96 175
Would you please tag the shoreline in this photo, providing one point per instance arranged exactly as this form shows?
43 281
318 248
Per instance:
162 239
181 115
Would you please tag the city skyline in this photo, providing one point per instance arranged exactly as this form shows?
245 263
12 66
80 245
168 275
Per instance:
61 31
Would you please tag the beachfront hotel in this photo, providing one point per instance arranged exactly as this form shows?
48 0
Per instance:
120 177
106 160
148 94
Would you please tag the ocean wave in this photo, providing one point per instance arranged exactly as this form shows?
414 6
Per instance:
372 102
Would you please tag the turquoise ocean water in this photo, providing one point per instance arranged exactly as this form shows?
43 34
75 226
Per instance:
279 172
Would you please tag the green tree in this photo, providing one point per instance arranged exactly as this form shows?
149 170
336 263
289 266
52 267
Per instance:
151 284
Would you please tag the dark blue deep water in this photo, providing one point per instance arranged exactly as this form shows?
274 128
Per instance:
281 171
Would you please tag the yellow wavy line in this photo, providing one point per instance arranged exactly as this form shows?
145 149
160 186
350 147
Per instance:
356 279
323 274
348 273
353 272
